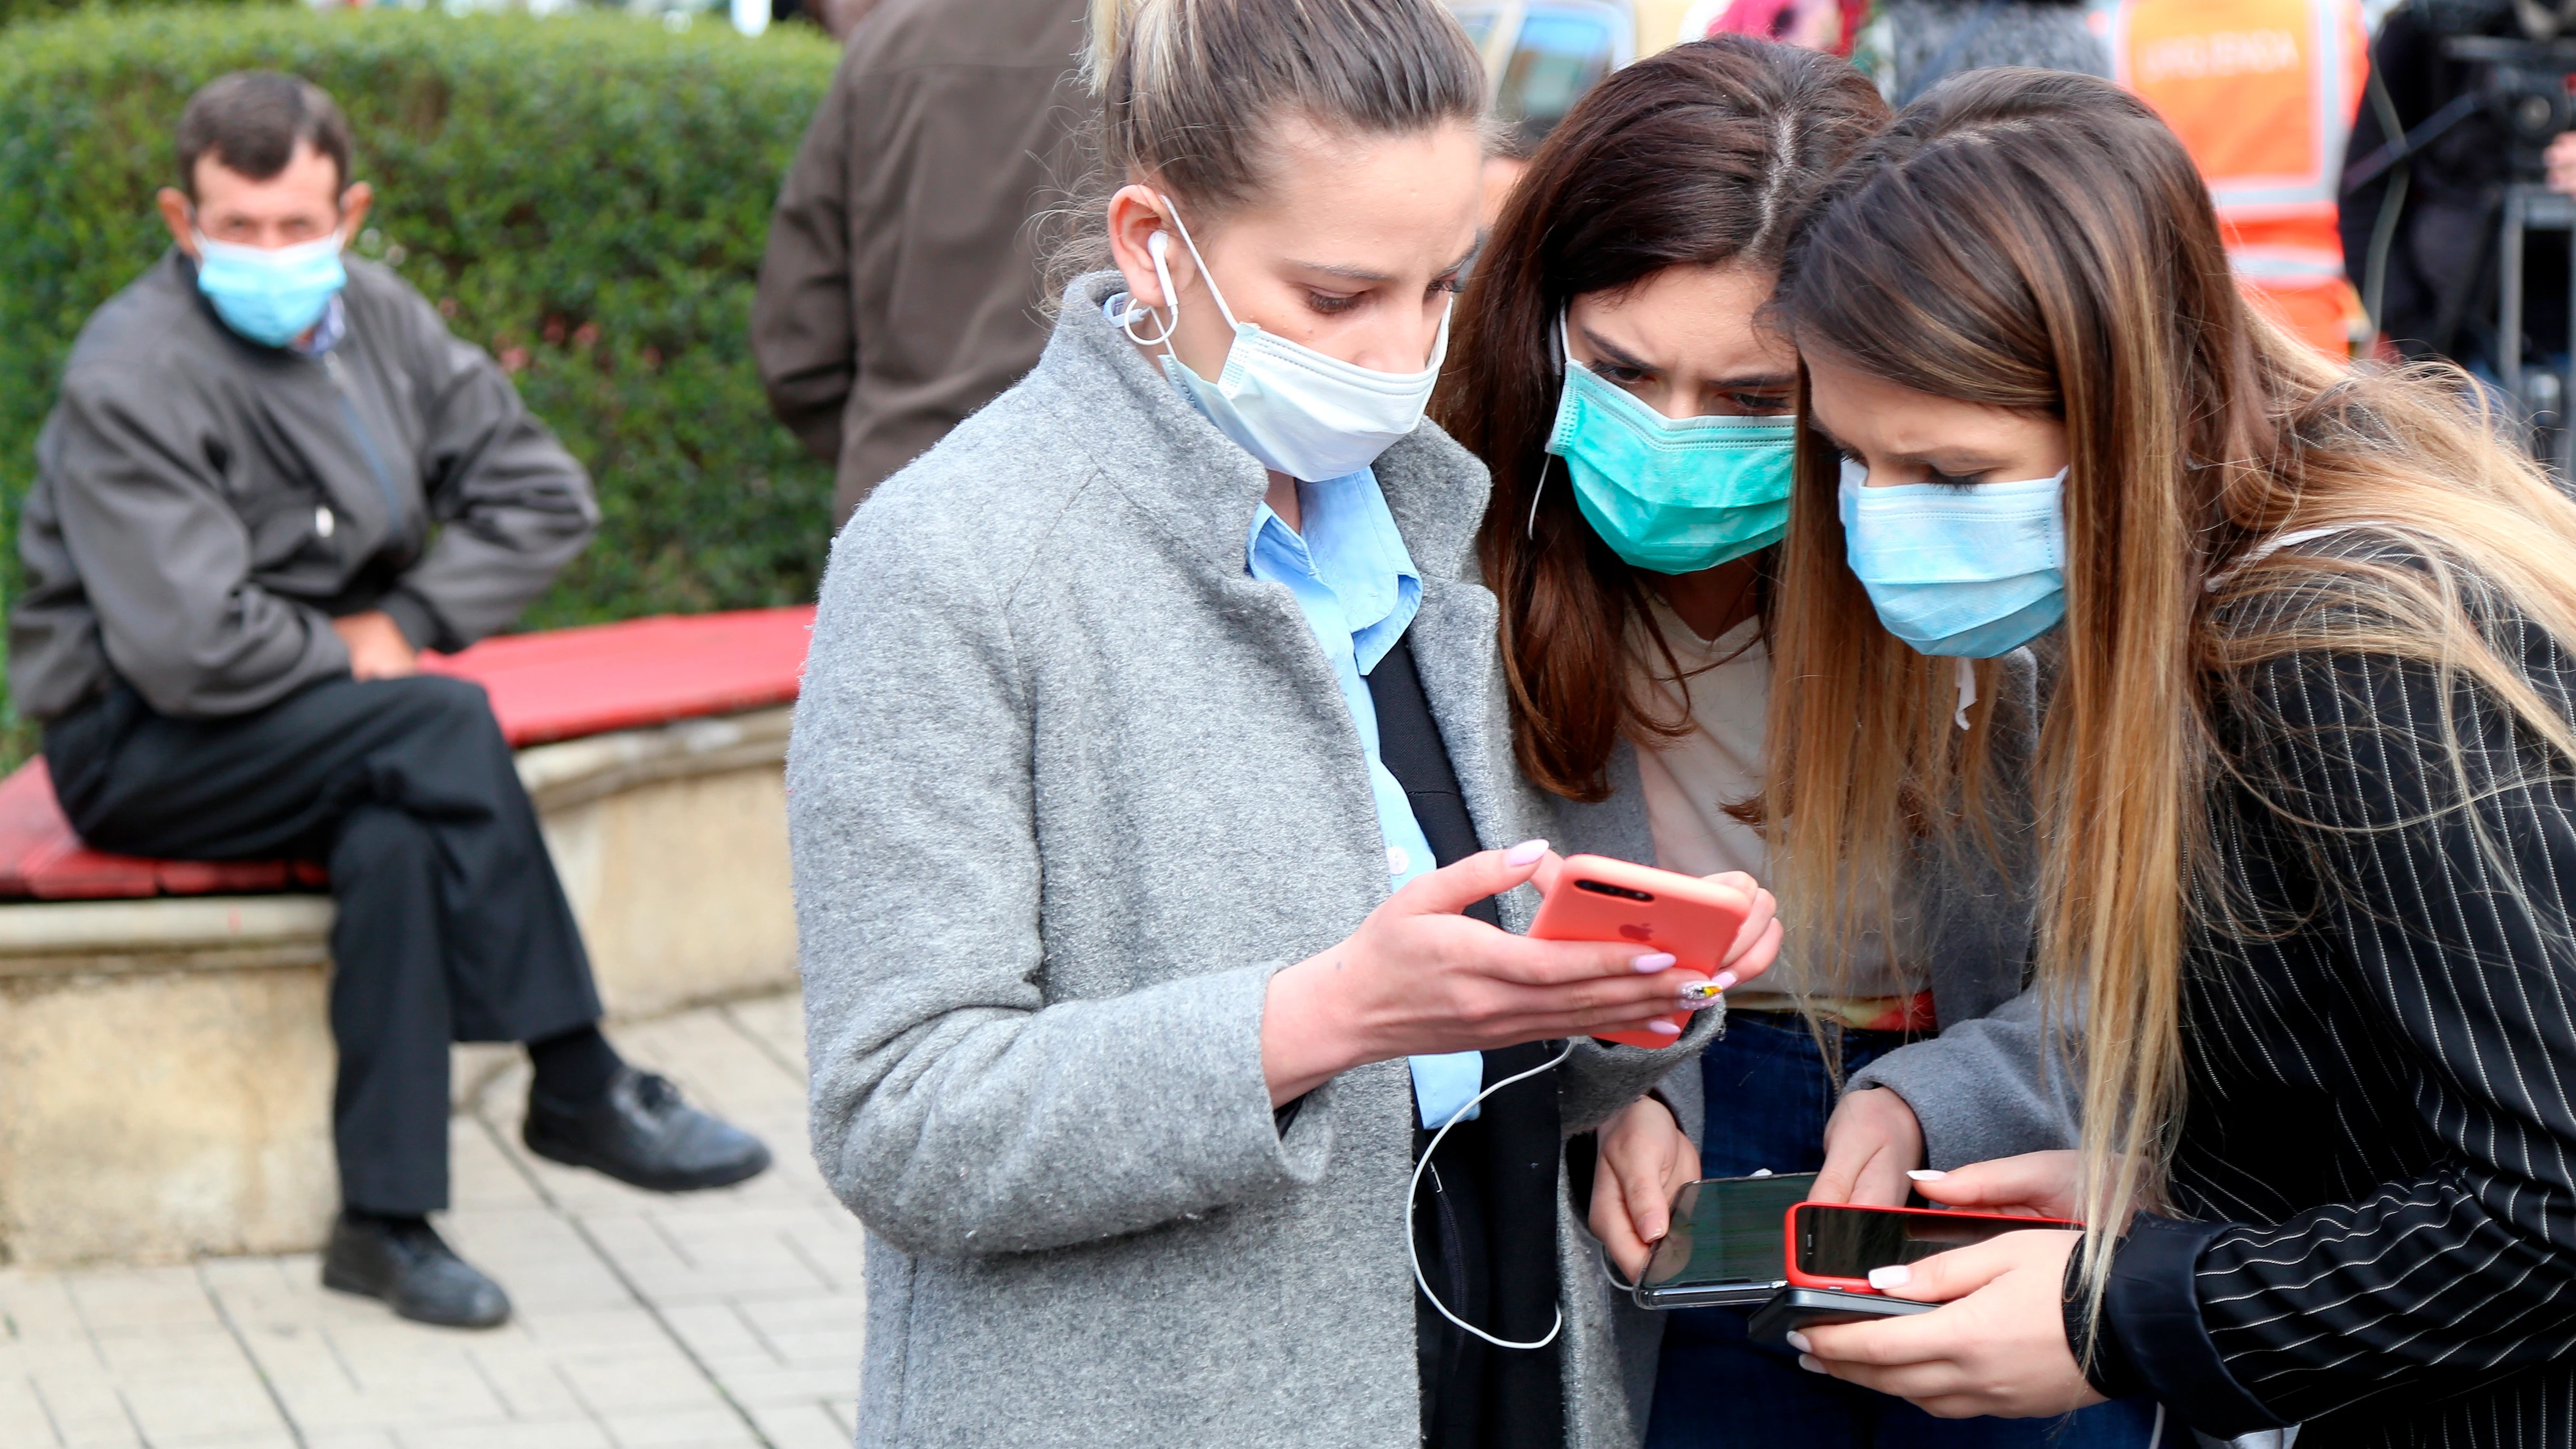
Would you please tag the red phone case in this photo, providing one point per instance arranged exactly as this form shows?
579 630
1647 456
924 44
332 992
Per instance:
1789 1236
1659 910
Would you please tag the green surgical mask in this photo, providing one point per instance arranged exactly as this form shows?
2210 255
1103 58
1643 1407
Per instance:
1672 496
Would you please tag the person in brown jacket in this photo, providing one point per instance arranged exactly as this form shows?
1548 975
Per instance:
902 288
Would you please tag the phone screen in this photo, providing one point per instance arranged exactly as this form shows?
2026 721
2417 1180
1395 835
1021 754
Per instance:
1727 1230
1846 1242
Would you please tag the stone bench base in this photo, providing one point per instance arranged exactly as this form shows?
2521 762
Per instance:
165 1064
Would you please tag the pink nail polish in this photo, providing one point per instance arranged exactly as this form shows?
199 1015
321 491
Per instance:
1525 853
1896 1276
1799 1342
1723 980
1661 1027
1659 961
1808 1362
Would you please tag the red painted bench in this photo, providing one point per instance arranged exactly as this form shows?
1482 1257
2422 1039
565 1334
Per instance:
557 685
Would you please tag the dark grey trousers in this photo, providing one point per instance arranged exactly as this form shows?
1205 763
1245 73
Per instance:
452 926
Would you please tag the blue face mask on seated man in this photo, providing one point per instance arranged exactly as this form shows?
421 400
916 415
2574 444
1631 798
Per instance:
1970 573
1671 495
270 295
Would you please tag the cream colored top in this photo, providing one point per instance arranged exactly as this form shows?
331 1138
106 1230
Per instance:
1689 782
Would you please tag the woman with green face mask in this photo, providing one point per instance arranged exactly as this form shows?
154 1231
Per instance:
1615 374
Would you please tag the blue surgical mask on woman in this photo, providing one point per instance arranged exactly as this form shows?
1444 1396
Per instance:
1971 572
1301 412
1671 495
270 295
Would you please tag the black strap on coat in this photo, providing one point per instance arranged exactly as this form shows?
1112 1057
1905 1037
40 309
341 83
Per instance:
1485 1226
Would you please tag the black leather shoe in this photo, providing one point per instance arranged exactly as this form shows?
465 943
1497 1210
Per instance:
407 1264
642 1133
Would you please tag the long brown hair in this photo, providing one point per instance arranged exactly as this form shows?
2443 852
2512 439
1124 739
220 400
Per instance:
2041 242
1696 156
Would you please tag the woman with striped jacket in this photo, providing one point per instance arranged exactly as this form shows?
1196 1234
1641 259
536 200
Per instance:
2308 783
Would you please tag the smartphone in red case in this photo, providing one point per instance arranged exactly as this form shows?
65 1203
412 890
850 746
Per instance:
1596 898
1835 1245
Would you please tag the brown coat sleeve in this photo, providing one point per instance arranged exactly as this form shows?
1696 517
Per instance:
801 331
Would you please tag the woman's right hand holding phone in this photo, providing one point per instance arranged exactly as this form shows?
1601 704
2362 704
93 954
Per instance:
1418 978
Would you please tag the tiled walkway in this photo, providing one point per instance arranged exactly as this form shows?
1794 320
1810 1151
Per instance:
711 1321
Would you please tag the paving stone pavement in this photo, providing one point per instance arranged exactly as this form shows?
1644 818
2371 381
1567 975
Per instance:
717 1320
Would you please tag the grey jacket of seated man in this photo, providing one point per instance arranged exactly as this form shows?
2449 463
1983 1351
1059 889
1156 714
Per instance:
205 505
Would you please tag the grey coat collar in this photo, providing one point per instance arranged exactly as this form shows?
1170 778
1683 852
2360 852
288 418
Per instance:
1203 488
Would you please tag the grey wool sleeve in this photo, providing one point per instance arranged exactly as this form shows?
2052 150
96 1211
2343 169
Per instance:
956 1109
513 504
1985 1088
163 557
1602 1077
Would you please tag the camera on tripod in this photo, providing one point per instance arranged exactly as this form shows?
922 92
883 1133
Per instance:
2524 85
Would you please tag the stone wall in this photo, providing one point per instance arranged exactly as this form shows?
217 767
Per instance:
165 1067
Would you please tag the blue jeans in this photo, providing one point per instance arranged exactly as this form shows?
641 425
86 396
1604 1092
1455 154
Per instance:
1768 1097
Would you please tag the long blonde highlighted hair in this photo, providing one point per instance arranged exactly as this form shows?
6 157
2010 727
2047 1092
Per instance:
2041 242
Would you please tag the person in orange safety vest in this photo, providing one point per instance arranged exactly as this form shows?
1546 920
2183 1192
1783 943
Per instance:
2262 93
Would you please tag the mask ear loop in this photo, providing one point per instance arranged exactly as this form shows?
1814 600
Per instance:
1205 275
1157 246
1414 1189
1563 357
1967 690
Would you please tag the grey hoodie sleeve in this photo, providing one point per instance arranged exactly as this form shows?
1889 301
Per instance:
162 556
1987 1088
955 1110
515 507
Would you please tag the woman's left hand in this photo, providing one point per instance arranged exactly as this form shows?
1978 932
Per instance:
1997 1345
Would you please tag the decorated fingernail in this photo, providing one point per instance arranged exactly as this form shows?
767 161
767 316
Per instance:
1659 961
1701 993
1661 1027
1896 1275
1525 853
1722 980
1799 1342
1808 1362
1927 1174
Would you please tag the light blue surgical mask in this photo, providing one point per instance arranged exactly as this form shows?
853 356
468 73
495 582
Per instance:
270 295
1300 411
1969 573
1671 495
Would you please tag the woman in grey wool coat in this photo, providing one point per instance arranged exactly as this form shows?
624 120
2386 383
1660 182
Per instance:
1138 714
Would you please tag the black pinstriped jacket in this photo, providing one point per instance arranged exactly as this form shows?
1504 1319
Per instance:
2379 1152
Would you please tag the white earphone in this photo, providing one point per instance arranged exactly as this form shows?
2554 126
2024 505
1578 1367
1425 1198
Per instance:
1159 247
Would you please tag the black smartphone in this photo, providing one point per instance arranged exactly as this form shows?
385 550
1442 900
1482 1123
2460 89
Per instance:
1835 1245
1801 1308
1728 1243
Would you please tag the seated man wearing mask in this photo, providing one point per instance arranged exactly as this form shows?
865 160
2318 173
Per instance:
270 478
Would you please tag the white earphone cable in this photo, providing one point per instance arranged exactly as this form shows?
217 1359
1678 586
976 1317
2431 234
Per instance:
1414 1190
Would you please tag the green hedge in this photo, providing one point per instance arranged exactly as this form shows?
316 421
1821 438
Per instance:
585 195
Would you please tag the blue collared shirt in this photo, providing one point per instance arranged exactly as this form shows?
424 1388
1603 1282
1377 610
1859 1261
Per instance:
1355 582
